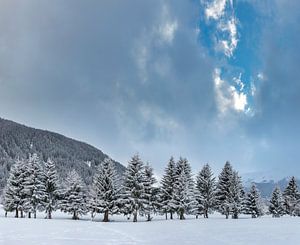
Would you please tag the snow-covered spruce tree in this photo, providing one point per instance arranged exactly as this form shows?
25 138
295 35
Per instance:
167 188
276 203
74 199
34 186
132 198
205 191
236 195
223 195
150 194
183 200
253 203
105 190
52 188
291 197
13 193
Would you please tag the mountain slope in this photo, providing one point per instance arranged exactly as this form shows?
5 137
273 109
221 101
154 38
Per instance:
17 140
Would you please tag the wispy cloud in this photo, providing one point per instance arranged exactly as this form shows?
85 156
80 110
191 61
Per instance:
222 13
229 45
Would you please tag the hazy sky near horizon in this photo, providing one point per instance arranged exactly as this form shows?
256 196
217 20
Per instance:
208 80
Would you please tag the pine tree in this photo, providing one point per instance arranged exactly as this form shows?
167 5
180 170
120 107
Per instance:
205 191
253 203
236 195
291 197
34 186
13 194
223 194
150 200
52 188
74 197
167 188
276 203
132 198
183 199
105 190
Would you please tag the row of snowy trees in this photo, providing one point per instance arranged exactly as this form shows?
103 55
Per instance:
31 187
35 186
287 202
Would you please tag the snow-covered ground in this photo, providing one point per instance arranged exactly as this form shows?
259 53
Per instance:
216 230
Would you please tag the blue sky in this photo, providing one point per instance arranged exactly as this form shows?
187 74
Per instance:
208 80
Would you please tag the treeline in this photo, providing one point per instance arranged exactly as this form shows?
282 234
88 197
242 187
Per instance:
34 185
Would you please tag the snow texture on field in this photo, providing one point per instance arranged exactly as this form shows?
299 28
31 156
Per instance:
216 231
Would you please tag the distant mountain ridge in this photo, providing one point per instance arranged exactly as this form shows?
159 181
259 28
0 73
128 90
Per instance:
17 141
266 186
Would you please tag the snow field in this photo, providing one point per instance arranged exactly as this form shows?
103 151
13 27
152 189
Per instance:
213 231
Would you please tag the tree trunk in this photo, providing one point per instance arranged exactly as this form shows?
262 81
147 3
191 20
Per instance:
197 216
181 215
235 215
93 215
74 216
34 214
226 215
17 213
149 217
171 215
135 216
22 216
49 214
166 215
5 214
206 214
29 215
105 216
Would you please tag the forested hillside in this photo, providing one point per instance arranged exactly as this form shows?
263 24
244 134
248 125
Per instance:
17 141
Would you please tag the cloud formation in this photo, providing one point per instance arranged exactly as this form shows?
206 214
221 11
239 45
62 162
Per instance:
160 78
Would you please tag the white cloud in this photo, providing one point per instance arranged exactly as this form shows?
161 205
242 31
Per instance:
167 31
261 76
197 31
158 118
141 57
223 102
239 99
161 33
253 89
228 97
238 81
226 30
167 26
215 10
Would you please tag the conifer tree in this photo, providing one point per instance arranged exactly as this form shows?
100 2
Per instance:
253 203
276 203
223 193
74 197
150 198
52 188
105 190
183 199
13 193
205 191
167 188
291 197
34 186
236 195
132 198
